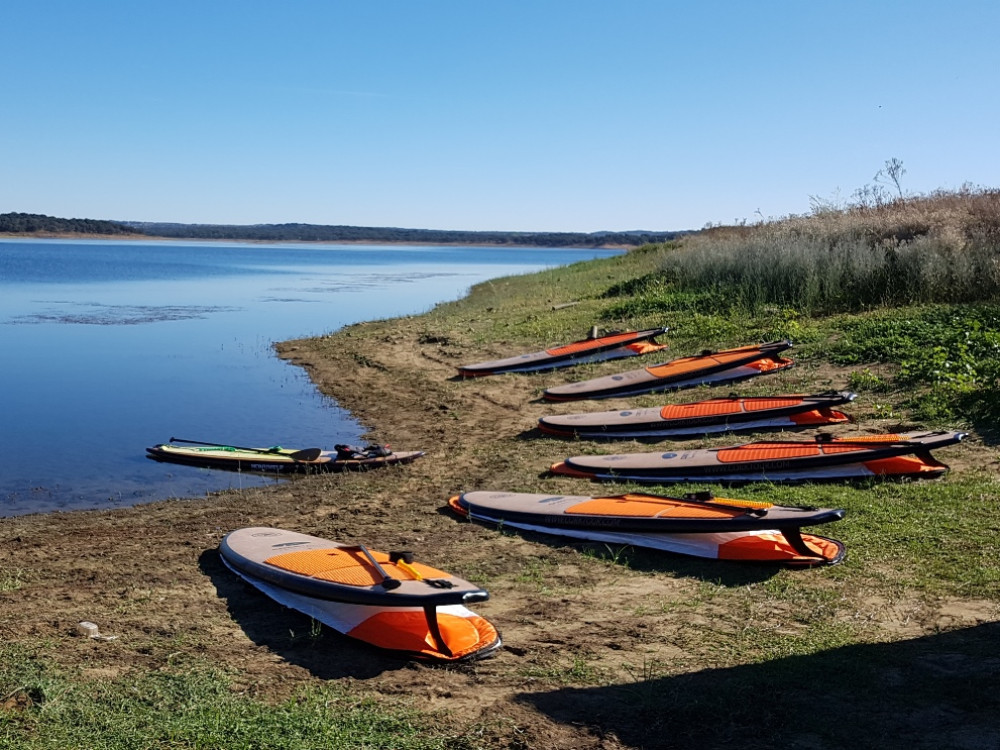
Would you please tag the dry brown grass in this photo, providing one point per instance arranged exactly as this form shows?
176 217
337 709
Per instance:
955 218
938 248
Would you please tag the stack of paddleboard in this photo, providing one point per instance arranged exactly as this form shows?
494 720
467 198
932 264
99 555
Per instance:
822 458
697 524
707 368
594 349
386 600
732 414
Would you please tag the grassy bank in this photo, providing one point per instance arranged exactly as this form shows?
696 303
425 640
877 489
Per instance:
607 647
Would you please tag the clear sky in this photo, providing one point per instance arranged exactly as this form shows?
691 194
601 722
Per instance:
548 115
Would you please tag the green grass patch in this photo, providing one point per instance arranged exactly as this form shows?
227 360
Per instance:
11 579
195 707
946 358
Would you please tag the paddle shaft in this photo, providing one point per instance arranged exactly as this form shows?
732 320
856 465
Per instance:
845 442
307 454
388 582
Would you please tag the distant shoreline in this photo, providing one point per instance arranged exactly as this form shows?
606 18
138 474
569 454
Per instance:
151 238
40 226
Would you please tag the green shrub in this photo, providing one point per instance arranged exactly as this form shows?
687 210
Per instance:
948 357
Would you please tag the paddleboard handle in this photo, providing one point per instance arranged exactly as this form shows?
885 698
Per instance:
702 496
404 561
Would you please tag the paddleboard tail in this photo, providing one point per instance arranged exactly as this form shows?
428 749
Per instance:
448 633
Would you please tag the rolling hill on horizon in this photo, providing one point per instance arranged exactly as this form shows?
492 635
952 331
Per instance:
22 223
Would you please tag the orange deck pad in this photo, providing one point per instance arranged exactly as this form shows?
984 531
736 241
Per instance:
770 403
651 506
582 346
702 409
691 364
717 406
694 364
347 565
770 451
406 630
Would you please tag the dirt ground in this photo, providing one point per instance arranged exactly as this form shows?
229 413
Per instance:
584 636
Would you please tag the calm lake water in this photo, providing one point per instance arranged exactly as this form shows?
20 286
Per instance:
109 347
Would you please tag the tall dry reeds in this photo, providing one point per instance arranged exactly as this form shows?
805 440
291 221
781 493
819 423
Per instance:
943 247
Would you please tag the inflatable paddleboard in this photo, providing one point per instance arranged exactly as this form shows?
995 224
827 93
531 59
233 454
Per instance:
824 458
612 346
278 459
707 368
789 546
732 414
386 600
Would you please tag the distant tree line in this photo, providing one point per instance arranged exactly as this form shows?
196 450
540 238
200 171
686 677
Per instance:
325 233
31 223
34 223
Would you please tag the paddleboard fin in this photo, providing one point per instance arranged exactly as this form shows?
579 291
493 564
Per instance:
430 612
794 538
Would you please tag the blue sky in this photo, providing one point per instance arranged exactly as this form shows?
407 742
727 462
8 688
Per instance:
558 115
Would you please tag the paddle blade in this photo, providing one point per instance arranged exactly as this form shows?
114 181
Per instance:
307 454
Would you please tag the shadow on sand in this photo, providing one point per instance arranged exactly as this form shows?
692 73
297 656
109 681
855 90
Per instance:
728 573
940 691
292 635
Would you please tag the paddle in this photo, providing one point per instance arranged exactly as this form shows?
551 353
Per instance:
306 454
388 582
826 439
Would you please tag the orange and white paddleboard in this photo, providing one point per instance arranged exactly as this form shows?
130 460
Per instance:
823 458
387 600
708 367
597 349
612 522
733 414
